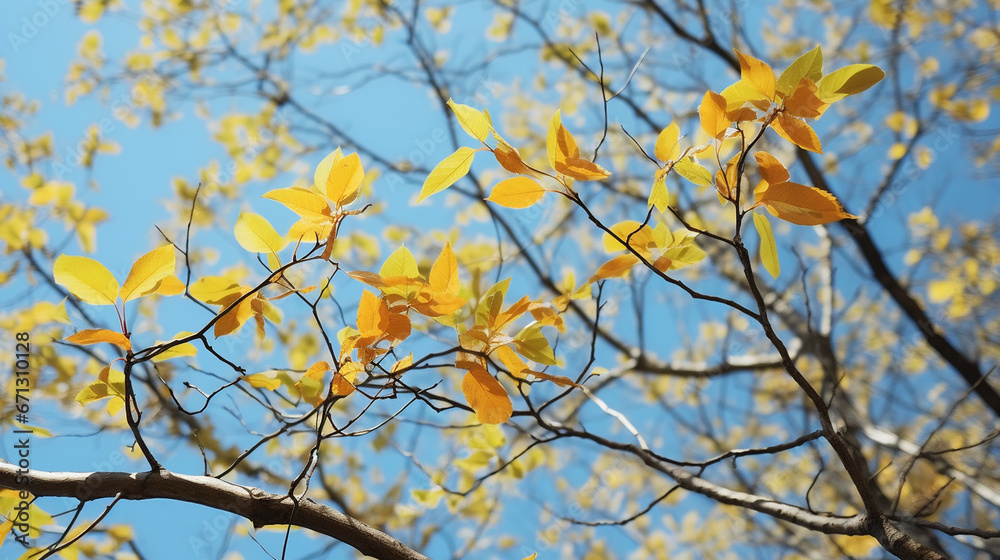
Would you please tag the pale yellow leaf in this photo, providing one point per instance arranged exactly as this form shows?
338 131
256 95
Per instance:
86 279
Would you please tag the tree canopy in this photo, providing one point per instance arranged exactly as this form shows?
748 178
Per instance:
500 279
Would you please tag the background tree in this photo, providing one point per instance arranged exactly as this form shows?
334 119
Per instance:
666 399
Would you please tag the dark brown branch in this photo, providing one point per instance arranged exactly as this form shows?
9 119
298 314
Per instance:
261 508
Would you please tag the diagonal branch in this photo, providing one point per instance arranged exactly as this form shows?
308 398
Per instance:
261 508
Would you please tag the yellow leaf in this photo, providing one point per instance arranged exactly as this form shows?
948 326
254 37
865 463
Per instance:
534 556
489 305
514 364
757 74
799 204
639 237
809 65
147 272
109 384
768 249
262 381
403 364
616 267
186 349
344 180
343 380
451 169
796 131
303 202
443 277
86 279
712 112
486 396
559 143
668 146
311 386
322 172
255 234
213 289
581 169
472 121
693 171
848 80
400 263
532 344
94 336
169 286
659 197
516 192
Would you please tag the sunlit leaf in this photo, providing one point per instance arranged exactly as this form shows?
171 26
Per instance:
616 267
147 271
516 192
262 381
796 131
451 169
693 171
255 234
581 169
213 289
768 249
94 336
770 168
400 263
311 387
86 279
668 146
532 344
848 80
303 202
712 112
486 396
659 197
799 204
472 121
443 277
809 65
344 180
757 74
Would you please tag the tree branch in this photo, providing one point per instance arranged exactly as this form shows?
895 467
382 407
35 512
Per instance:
261 508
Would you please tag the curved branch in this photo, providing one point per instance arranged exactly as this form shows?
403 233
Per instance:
261 508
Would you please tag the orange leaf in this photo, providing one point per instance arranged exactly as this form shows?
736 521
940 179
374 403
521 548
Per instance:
95 336
799 204
557 379
805 101
486 396
343 381
770 168
713 114
509 158
582 169
616 267
373 314
797 132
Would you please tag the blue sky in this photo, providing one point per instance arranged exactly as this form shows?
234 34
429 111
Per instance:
397 118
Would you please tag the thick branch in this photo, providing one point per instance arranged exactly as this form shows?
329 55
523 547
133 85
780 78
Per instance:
261 508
